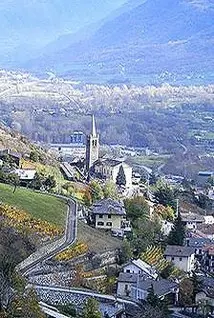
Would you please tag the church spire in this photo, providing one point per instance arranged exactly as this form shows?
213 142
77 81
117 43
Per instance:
93 128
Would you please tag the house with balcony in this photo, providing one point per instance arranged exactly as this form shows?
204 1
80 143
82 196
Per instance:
182 257
109 214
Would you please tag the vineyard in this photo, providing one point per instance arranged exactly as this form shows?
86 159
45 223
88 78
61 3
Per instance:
154 256
75 250
24 223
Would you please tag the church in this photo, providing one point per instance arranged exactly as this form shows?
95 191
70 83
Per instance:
104 168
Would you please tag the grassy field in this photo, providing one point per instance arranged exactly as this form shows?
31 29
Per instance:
41 206
97 241
149 161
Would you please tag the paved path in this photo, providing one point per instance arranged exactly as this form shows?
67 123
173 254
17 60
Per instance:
50 250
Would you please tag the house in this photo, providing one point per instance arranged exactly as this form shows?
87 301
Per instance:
109 214
137 266
162 288
207 230
192 220
208 258
137 286
136 177
182 257
206 293
198 243
108 169
203 177
125 282
25 175
209 219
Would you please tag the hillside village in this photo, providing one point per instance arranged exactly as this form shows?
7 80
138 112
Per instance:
97 230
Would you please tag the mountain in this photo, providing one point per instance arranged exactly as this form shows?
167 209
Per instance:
155 37
27 26
86 32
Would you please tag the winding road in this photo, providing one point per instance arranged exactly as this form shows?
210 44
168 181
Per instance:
52 249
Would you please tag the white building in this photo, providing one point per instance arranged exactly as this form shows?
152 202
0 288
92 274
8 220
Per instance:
25 174
137 266
182 257
108 169
109 214
166 227
209 219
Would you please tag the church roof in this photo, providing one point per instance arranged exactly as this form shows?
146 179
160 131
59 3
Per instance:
108 162
108 206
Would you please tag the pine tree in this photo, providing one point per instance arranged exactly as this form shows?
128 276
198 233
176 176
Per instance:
91 309
121 177
177 234
196 282
152 299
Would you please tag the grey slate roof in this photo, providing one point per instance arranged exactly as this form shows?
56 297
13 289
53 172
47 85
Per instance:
179 251
192 217
161 287
198 242
108 206
127 277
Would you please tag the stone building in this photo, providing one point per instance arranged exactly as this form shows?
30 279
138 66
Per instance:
108 169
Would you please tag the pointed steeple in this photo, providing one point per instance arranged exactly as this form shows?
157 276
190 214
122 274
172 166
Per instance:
93 128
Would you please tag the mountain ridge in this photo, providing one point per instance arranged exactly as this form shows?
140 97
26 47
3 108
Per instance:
154 37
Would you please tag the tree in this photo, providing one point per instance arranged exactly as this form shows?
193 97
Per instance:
165 212
121 177
91 309
152 299
197 284
110 190
49 183
37 182
136 208
96 191
13 179
68 309
177 234
125 253
34 156
25 305
165 195
186 292
150 312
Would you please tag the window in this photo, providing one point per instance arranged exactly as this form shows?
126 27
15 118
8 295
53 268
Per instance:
128 271
180 259
172 259
100 216
109 224
100 223
109 216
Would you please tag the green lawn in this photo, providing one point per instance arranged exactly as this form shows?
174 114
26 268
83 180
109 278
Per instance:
41 206
148 161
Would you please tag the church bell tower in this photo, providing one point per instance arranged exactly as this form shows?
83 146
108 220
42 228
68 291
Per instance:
92 146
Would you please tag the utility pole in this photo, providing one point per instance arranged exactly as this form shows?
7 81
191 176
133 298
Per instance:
177 207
